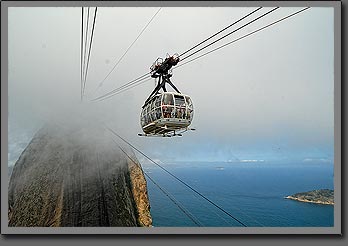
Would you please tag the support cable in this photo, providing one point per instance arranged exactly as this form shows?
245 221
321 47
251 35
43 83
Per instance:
125 89
81 50
136 82
85 50
204 47
220 31
120 59
235 40
123 86
90 47
184 183
177 203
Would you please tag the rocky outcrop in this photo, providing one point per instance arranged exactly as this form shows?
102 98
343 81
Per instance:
73 176
324 196
139 189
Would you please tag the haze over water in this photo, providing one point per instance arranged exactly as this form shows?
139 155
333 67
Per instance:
252 192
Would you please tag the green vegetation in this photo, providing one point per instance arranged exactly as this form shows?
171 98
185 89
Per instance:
324 196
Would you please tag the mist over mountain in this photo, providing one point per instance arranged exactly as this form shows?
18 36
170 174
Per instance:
75 175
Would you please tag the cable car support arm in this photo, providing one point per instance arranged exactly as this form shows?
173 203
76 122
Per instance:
161 71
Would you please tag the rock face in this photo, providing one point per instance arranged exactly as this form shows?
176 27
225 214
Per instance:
68 176
324 196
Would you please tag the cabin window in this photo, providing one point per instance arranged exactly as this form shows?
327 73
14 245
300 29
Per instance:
154 115
142 121
153 104
158 113
168 99
146 119
180 112
149 116
180 107
158 101
168 111
189 102
179 101
144 111
189 114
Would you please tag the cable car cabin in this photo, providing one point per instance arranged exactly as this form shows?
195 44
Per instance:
166 114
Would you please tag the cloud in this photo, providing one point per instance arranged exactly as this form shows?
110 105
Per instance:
247 97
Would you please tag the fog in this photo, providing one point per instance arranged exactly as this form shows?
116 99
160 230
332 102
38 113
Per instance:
268 96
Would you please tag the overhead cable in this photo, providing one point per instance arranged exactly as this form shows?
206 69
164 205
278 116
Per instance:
235 40
84 55
133 82
124 54
178 179
171 197
90 47
123 86
127 88
81 51
139 80
221 31
204 47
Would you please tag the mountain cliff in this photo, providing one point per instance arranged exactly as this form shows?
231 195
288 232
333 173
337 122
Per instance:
77 176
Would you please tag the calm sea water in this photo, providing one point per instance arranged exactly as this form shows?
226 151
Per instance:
252 192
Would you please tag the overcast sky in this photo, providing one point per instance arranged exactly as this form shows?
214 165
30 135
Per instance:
268 96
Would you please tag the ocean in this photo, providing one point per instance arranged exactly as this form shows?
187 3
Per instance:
252 192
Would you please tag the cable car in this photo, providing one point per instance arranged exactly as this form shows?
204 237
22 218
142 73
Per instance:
166 113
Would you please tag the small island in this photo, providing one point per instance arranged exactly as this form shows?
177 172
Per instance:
324 196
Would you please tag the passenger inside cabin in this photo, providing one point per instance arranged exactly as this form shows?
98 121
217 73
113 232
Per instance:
188 116
165 109
183 110
158 113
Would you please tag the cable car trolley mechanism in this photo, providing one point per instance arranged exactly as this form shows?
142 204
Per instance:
166 114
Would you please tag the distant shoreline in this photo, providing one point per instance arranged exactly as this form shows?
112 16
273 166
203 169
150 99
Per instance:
324 196
308 201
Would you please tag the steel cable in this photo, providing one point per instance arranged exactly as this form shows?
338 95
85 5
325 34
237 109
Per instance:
81 50
235 40
221 31
184 183
171 197
204 47
90 47
120 59
122 87
84 55
139 80
123 90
